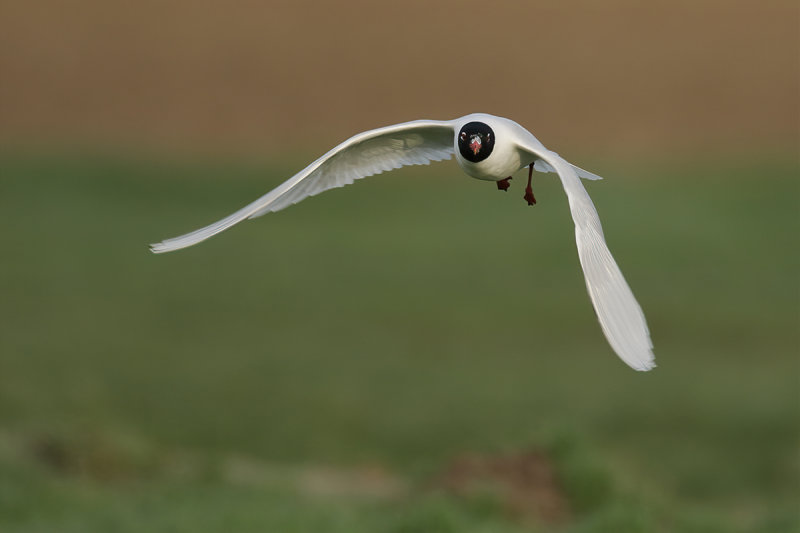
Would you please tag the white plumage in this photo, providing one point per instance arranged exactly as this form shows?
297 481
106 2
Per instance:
502 147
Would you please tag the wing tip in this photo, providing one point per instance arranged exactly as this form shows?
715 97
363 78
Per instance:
158 248
168 246
643 365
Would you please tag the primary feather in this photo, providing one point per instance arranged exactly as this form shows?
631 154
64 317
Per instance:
618 312
372 152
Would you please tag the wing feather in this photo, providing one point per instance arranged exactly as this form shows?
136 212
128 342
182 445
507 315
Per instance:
618 312
366 154
542 166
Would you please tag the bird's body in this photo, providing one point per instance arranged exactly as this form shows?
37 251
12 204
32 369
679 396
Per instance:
486 147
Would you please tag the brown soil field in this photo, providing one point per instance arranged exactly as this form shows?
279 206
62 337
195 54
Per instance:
263 77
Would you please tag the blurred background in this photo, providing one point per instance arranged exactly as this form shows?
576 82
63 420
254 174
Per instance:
416 352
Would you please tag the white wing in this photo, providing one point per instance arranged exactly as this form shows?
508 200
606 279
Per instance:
372 152
619 314
542 166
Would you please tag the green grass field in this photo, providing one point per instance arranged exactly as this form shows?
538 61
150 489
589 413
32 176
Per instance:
319 368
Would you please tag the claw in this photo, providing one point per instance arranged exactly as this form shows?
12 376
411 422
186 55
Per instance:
529 197
503 184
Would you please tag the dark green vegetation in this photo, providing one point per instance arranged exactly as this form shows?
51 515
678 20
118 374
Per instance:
319 368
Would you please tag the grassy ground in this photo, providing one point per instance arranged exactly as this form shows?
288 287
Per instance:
318 369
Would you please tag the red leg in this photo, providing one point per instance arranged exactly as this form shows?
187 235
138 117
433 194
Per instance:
503 185
529 197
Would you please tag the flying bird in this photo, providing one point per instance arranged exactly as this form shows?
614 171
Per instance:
486 147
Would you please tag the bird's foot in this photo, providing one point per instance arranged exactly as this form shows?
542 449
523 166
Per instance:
529 197
503 184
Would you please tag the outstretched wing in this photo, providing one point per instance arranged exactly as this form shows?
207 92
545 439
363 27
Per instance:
372 152
542 166
619 314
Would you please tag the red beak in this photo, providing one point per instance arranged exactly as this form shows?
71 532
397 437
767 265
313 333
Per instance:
475 144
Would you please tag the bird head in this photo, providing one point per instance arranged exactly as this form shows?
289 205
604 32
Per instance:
475 141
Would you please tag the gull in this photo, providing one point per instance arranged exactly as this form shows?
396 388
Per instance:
486 147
